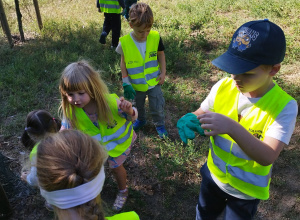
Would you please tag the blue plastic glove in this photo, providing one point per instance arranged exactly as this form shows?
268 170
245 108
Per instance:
129 92
187 126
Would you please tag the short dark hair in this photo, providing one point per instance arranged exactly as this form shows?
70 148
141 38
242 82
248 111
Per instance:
140 14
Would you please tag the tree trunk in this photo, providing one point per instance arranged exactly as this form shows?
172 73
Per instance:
38 14
19 16
4 24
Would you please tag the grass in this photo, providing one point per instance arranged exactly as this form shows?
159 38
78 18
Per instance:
194 32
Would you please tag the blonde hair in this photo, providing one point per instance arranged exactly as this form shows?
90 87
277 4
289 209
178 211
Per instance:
66 160
141 14
81 76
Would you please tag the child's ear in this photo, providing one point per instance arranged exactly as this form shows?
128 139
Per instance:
275 69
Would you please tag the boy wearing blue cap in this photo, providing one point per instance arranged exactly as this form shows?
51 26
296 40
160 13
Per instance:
249 119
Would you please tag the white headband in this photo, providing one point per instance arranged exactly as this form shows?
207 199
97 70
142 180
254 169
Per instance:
68 198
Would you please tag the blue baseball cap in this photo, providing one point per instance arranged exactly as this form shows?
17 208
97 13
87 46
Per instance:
253 44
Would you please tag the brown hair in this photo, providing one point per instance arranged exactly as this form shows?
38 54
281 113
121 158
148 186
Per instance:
81 76
140 14
66 160
39 123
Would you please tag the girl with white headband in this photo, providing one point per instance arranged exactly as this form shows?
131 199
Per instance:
71 175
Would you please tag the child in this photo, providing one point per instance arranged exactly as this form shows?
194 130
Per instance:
112 20
249 119
39 124
88 106
143 66
71 176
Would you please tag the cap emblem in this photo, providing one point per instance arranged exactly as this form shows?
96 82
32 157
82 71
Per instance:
243 39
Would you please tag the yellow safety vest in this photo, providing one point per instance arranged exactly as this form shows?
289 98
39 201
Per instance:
116 138
111 6
142 73
226 160
124 216
33 151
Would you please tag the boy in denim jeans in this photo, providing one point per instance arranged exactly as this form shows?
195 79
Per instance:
249 119
143 67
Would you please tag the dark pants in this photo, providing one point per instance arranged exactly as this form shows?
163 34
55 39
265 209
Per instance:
156 105
213 202
112 22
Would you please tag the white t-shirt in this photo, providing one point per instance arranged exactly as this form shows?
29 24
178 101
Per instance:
281 129
141 45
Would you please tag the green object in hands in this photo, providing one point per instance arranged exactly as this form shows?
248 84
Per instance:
187 126
129 92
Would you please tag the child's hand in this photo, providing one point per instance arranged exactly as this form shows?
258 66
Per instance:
126 106
161 78
24 176
214 123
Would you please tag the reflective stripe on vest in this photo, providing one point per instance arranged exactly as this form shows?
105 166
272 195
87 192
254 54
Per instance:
226 160
111 145
142 72
257 180
116 139
111 6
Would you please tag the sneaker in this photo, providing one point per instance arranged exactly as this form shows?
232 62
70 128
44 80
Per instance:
120 201
102 39
138 124
162 132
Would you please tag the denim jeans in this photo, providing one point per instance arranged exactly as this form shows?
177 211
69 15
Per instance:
156 105
213 202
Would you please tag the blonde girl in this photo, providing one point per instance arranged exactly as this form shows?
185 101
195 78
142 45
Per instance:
87 106
71 175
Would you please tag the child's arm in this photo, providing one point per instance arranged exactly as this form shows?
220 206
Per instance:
30 177
129 92
65 125
162 64
198 112
98 5
123 67
263 152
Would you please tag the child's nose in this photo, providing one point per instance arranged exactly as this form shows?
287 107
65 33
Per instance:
76 98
